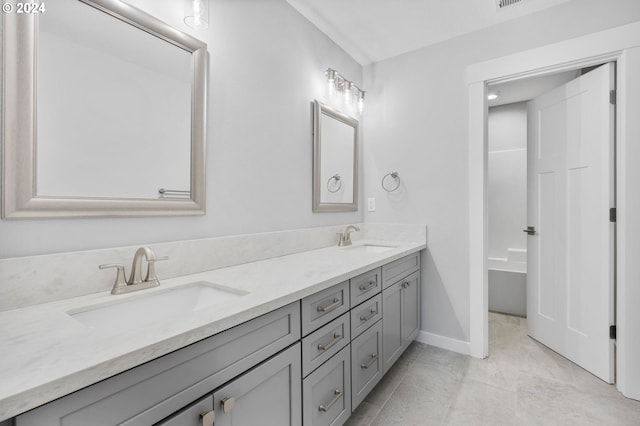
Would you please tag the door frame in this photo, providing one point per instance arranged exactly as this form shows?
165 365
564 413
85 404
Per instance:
620 45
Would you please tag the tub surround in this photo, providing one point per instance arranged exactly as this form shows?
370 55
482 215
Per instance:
48 354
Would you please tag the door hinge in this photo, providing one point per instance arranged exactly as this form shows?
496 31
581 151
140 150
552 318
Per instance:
612 97
613 215
612 332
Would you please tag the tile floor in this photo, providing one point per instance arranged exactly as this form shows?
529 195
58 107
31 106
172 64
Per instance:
521 383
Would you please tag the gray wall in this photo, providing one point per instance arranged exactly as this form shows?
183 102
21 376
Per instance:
267 65
417 123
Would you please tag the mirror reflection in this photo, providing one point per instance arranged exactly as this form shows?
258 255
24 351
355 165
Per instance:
335 160
126 97
107 116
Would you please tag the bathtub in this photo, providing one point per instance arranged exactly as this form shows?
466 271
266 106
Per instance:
508 283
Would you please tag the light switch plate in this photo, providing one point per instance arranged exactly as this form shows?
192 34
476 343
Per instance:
371 204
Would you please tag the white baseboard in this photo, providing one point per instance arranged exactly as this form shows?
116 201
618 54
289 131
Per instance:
444 342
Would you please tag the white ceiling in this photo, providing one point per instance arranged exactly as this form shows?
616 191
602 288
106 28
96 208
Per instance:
374 30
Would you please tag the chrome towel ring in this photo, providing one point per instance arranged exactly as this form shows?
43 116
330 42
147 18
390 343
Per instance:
390 188
338 182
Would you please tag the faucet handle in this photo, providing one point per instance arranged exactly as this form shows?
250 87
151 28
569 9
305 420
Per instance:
120 281
151 269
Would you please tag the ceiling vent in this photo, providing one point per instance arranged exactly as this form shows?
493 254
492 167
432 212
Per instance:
501 4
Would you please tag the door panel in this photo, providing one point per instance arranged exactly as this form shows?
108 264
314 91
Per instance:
268 395
570 190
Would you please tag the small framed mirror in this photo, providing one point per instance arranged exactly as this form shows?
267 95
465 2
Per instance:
103 113
335 160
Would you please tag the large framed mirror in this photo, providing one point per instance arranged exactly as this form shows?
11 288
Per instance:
335 160
103 113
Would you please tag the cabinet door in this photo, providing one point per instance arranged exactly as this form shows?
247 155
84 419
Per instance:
391 325
268 395
410 308
366 363
401 319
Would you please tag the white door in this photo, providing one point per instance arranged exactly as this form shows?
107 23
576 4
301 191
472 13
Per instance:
570 285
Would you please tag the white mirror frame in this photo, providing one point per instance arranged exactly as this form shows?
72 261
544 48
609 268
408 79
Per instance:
321 109
19 197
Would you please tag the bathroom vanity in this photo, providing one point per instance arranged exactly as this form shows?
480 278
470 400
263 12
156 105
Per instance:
309 355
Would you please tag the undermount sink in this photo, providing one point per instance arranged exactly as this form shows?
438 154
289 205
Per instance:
144 309
370 248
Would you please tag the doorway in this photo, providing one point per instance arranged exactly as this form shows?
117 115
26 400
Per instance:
561 127
621 45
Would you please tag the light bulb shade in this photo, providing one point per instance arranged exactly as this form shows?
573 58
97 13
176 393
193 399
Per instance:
331 83
196 14
348 95
360 102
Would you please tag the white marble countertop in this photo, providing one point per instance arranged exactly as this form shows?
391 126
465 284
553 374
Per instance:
45 353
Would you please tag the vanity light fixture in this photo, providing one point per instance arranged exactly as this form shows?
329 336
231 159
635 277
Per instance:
196 14
492 96
340 87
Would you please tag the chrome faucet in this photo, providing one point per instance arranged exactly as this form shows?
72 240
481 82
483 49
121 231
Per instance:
136 266
345 237
135 281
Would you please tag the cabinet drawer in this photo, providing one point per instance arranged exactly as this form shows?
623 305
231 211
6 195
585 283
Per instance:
364 286
325 342
320 308
366 314
149 393
190 416
366 363
399 269
326 393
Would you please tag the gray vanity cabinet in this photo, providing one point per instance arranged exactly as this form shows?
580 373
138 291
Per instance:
153 392
311 362
401 321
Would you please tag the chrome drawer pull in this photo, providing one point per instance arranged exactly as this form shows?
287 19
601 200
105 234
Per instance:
228 404
336 338
327 407
206 419
373 313
367 287
336 303
370 363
